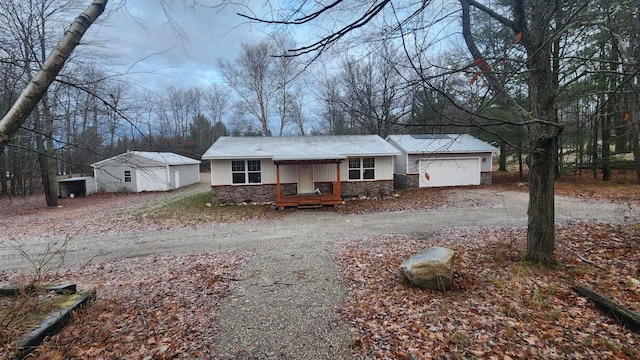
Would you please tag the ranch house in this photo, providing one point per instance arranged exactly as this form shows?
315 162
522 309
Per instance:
303 171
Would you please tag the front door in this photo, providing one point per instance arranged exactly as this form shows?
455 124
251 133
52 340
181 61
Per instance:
305 179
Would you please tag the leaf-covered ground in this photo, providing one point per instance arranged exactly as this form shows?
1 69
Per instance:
165 306
500 307
157 307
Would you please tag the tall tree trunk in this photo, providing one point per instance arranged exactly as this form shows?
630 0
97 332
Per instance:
635 137
36 88
532 25
542 132
605 128
634 108
3 173
503 156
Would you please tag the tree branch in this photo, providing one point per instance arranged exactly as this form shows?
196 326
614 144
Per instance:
37 87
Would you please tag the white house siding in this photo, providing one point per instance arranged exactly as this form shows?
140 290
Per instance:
384 168
220 172
268 175
326 173
110 178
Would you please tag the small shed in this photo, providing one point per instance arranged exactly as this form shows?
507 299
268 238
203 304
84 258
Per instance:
77 186
138 171
435 160
303 171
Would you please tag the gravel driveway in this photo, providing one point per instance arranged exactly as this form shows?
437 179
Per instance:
285 305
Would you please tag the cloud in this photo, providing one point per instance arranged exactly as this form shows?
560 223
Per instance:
140 38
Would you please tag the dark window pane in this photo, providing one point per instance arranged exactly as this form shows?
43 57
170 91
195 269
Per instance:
253 165
354 174
368 174
238 178
368 162
254 178
354 163
237 165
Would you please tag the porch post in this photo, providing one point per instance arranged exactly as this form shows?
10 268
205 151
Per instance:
277 183
338 188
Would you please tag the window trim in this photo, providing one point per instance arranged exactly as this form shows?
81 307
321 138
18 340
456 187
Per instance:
127 177
361 169
247 172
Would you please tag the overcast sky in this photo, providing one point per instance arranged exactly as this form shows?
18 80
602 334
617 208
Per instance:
141 38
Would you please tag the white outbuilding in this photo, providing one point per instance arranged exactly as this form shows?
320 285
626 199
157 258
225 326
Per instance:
138 171
435 160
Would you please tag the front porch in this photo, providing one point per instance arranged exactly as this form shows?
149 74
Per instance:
311 199
308 200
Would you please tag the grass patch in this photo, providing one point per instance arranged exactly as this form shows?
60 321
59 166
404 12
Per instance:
197 209
22 313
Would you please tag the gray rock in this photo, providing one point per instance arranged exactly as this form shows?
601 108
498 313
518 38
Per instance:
432 268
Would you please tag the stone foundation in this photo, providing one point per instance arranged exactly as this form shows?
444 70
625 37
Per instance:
486 178
228 194
382 188
265 193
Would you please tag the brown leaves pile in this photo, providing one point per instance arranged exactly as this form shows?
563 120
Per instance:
153 307
500 307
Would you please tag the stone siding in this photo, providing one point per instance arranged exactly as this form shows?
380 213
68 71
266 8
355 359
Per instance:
380 188
486 178
227 194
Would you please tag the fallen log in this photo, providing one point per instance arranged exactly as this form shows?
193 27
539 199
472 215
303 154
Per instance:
628 318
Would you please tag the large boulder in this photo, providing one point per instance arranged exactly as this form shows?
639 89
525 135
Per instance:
432 268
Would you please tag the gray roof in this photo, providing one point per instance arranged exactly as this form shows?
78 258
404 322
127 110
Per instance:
77 178
299 147
167 158
440 144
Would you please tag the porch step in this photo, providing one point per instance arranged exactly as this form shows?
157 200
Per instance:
309 204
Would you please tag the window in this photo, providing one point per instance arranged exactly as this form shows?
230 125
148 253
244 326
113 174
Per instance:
246 172
127 176
362 168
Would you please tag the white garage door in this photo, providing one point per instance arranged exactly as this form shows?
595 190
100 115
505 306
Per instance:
449 172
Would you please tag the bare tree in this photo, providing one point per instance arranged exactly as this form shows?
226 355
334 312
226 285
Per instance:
250 79
285 70
216 104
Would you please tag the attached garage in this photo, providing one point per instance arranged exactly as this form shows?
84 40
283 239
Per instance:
437 160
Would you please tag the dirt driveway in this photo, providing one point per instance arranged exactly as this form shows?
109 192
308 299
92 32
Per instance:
89 242
285 307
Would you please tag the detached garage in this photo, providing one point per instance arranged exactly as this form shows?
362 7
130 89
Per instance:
435 160
138 171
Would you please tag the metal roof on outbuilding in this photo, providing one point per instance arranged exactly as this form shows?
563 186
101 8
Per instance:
440 144
166 158
299 147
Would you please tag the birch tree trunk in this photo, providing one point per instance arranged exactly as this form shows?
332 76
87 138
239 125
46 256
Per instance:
31 95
